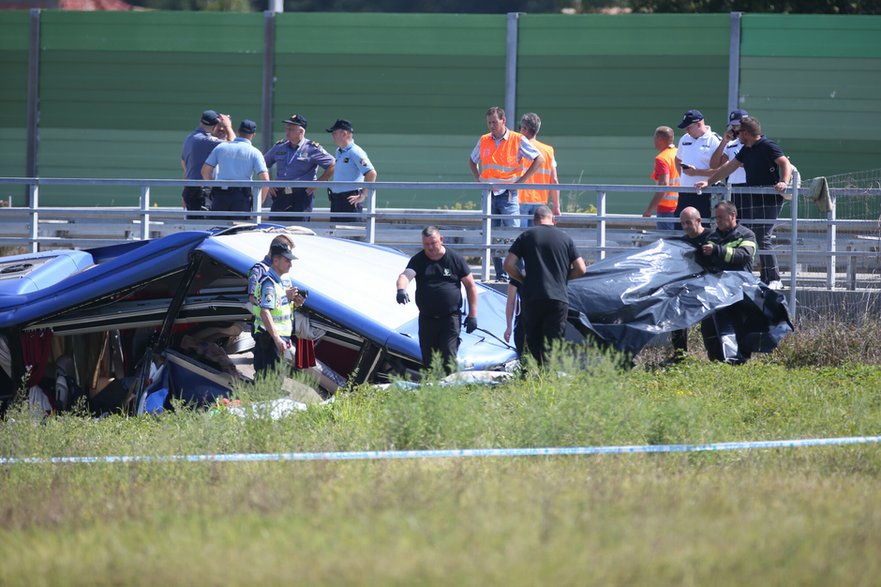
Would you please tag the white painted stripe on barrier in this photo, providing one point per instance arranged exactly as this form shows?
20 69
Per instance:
448 453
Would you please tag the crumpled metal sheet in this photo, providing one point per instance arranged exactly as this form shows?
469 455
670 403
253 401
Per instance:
630 298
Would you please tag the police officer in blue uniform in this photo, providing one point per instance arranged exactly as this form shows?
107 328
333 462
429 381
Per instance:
352 164
236 161
297 159
196 148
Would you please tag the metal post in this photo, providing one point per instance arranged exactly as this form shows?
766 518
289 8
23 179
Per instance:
371 216
257 205
487 234
145 213
601 224
511 69
793 260
268 98
33 105
831 241
34 203
734 62
276 5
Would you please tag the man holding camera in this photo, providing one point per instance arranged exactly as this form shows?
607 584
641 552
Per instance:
277 299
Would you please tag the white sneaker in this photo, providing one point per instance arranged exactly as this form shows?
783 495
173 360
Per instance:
775 284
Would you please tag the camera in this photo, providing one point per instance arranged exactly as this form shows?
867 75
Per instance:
303 292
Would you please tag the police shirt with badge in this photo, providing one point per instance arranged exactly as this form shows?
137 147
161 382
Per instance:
352 163
438 289
298 162
696 153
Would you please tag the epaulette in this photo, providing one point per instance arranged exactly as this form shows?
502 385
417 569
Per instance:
280 141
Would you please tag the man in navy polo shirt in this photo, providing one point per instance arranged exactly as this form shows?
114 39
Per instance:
352 164
765 165
197 146
297 159
236 161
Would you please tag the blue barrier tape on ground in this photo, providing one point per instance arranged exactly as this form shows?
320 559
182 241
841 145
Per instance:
448 453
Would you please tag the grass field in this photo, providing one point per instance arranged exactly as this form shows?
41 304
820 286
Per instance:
809 516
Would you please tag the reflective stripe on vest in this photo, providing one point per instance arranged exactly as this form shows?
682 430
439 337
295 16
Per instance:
670 199
500 163
545 174
282 314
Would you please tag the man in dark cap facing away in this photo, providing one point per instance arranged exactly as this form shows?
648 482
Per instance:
236 161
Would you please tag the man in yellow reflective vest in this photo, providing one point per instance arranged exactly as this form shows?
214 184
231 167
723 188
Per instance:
498 159
277 299
530 200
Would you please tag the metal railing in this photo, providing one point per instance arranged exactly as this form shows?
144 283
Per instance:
591 229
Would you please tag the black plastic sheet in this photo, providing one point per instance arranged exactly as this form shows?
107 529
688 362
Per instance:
630 298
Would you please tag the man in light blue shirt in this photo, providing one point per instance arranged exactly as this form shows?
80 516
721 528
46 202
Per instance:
236 161
352 164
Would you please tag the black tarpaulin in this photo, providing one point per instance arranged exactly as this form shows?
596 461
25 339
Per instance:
628 299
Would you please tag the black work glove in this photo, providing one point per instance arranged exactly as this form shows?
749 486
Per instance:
470 324
403 296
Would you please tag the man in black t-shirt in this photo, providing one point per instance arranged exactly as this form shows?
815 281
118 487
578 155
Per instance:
551 260
439 273
765 165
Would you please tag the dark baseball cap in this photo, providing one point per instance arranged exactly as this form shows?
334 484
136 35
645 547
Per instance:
341 124
736 116
690 117
210 117
248 127
283 250
298 120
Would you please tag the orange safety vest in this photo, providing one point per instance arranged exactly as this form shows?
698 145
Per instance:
500 164
545 174
670 199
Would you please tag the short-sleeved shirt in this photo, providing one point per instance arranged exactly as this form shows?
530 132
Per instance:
298 162
257 273
197 146
236 161
438 283
696 153
548 254
352 164
760 162
731 150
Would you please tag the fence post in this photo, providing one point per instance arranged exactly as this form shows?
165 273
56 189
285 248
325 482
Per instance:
487 233
268 84
601 224
257 206
734 61
371 216
511 69
832 242
33 104
34 203
793 260
145 213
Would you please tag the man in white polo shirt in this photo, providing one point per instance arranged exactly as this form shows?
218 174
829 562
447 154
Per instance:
696 148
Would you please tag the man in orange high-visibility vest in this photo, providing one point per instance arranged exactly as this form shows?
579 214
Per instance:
530 200
665 173
499 155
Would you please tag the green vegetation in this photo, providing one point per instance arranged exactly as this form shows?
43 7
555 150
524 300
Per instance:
779 517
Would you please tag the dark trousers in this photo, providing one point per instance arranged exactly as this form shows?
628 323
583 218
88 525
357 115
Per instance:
265 354
439 334
196 198
543 322
299 200
701 202
340 203
761 207
230 200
